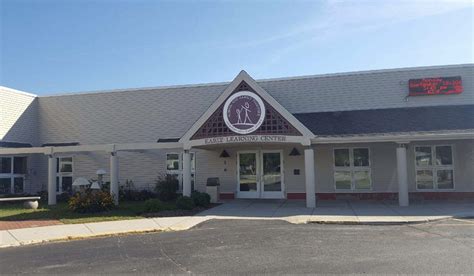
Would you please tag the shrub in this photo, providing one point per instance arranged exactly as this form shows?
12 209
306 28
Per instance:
105 186
136 195
126 190
166 187
146 194
154 205
91 202
185 203
43 195
63 197
201 199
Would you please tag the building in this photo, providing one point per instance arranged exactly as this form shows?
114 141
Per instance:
398 133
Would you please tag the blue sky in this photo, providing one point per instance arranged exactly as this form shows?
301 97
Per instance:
50 47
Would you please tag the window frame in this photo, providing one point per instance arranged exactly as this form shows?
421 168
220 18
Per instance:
434 167
12 175
60 175
179 171
351 168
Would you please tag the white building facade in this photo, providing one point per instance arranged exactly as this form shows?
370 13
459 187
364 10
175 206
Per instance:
386 134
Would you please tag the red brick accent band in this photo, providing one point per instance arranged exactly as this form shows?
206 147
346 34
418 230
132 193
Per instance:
385 196
226 195
442 195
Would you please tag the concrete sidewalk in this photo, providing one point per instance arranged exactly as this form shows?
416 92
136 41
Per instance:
342 211
293 211
17 237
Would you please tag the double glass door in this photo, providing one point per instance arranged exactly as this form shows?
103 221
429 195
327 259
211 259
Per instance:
260 174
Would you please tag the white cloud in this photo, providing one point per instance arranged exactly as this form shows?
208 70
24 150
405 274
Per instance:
343 17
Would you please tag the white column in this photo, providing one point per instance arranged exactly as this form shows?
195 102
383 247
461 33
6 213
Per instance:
186 173
51 180
402 175
309 178
114 177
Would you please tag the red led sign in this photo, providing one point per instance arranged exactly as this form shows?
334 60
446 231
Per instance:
435 86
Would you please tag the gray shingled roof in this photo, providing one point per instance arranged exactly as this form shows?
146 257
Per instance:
393 120
4 144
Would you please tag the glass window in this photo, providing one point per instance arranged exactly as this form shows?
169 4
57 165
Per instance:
173 167
64 164
437 174
193 162
361 157
424 179
5 185
172 161
66 159
19 165
444 155
5 164
352 169
445 179
64 174
66 167
343 180
12 170
66 184
341 158
18 185
362 180
423 156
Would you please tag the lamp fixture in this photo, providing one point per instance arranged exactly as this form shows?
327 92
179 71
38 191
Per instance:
101 172
81 181
224 154
95 186
294 152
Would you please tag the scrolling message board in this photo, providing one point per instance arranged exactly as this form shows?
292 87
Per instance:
435 86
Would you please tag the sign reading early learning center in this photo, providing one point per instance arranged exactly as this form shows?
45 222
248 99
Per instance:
245 139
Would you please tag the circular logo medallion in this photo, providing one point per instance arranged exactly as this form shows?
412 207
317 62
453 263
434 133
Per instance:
244 112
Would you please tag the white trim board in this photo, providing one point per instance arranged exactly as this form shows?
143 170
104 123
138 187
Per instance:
399 138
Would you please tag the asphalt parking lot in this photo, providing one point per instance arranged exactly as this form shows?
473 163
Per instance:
239 246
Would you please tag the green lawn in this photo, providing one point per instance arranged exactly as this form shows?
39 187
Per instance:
126 210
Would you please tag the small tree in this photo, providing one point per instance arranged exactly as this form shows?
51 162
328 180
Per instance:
166 187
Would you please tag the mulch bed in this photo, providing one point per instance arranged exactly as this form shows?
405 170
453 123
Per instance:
180 213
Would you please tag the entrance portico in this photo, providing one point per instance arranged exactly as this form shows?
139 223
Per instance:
246 117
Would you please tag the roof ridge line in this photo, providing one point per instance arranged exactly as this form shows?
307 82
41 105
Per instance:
375 71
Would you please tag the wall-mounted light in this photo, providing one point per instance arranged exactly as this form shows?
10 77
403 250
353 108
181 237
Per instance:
294 152
224 154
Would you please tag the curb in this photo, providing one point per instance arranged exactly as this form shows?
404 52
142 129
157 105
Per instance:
387 222
16 243
77 238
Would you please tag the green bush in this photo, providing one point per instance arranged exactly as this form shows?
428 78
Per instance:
166 187
201 199
134 195
91 202
154 205
185 203
63 197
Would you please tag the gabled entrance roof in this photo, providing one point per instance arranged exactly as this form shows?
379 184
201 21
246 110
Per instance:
299 132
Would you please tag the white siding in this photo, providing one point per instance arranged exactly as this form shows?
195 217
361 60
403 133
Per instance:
18 116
